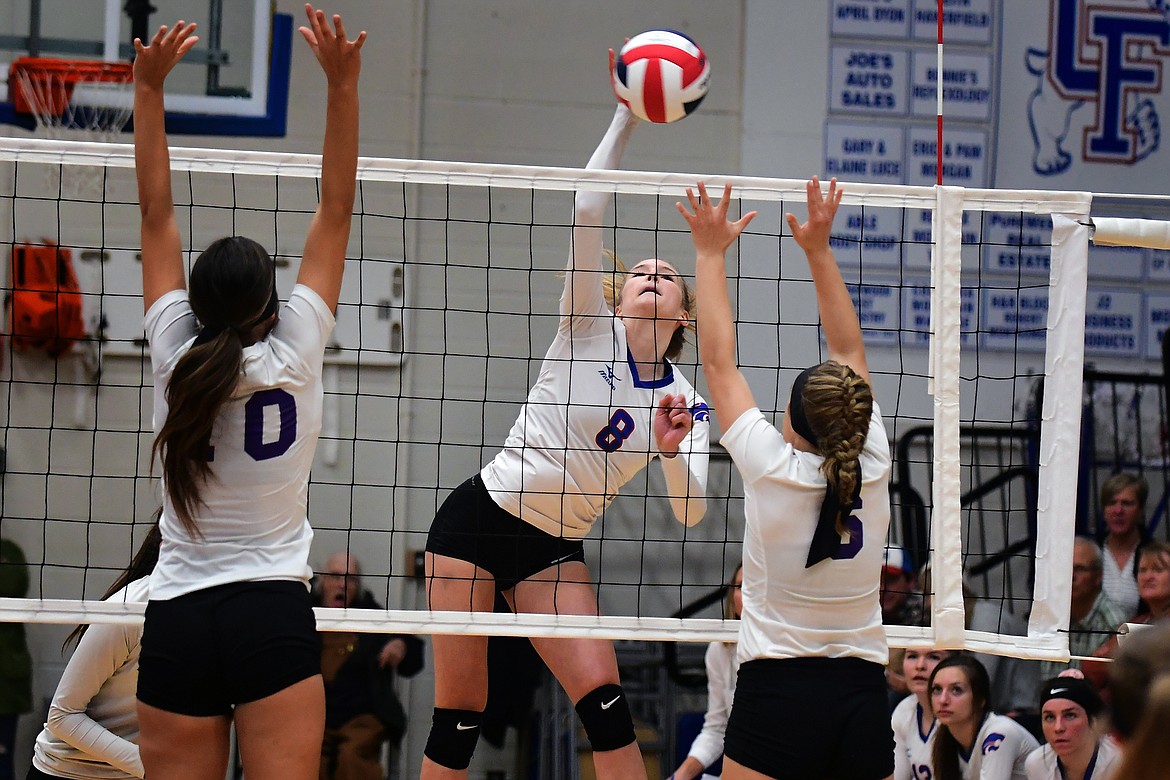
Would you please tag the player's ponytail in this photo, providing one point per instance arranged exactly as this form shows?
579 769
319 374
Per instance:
1148 753
838 405
233 290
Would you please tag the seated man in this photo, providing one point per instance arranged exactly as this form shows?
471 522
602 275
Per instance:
361 709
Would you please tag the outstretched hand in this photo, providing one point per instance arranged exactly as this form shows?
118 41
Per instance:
814 234
152 63
711 230
340 57
672 423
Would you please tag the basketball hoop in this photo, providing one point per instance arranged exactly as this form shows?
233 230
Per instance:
80 100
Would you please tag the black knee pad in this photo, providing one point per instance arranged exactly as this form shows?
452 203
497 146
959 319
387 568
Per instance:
605 714
453 737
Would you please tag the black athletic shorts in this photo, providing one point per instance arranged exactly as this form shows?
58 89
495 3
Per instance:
205 651
812 719
471 526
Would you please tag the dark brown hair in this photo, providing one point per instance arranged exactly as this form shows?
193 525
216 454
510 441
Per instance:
945 753
231 284
838 405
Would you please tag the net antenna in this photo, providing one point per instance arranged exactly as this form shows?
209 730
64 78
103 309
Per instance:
78 100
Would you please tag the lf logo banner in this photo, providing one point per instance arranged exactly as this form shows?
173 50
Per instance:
1097 76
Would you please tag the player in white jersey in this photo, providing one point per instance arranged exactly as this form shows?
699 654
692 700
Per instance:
817 507
913 719
1077 747
722 665
92 726
973 742
229 635
607 402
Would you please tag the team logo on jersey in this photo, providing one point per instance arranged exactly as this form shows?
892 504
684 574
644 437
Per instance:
610 378
700 412
992 743
1106 56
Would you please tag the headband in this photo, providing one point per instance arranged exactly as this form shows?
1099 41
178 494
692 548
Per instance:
1075 690
798 420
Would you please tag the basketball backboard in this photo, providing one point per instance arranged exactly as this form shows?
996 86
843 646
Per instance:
234 82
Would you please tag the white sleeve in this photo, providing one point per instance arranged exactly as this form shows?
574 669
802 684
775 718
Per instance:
583 292
102 651
686 473
708 746
1000 757
902 769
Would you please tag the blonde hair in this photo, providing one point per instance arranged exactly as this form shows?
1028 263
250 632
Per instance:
611 286
838 404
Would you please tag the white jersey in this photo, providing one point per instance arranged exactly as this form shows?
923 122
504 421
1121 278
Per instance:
1042 764
1001 747
254 520
587 428
722 668
92 727
832 608
912 742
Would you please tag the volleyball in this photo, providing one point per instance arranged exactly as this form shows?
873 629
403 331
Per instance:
662 75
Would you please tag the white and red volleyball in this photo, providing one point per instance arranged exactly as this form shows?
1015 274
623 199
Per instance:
662 75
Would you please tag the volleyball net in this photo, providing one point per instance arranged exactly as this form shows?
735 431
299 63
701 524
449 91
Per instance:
972 304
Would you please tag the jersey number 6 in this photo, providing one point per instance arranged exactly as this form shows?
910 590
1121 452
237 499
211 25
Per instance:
849 549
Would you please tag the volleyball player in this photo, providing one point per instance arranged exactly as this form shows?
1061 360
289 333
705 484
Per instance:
92 727
608 401
973 742
229 632
913 718
810 701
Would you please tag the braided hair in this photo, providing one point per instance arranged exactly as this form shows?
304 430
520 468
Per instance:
838 404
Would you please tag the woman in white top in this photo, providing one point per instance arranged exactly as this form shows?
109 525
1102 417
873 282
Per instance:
607 402
973 742
229 635
91 732
817 508
722 668
913 719
1077 747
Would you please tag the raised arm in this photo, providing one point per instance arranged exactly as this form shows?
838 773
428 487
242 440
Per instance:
838 315
712 233
323 260
162 251
583 290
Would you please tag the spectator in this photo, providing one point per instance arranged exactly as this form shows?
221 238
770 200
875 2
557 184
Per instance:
1070 714
722 668
1093 618
1139 681
15 661
973 742
361 709
1154 588
901 603
1123 505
